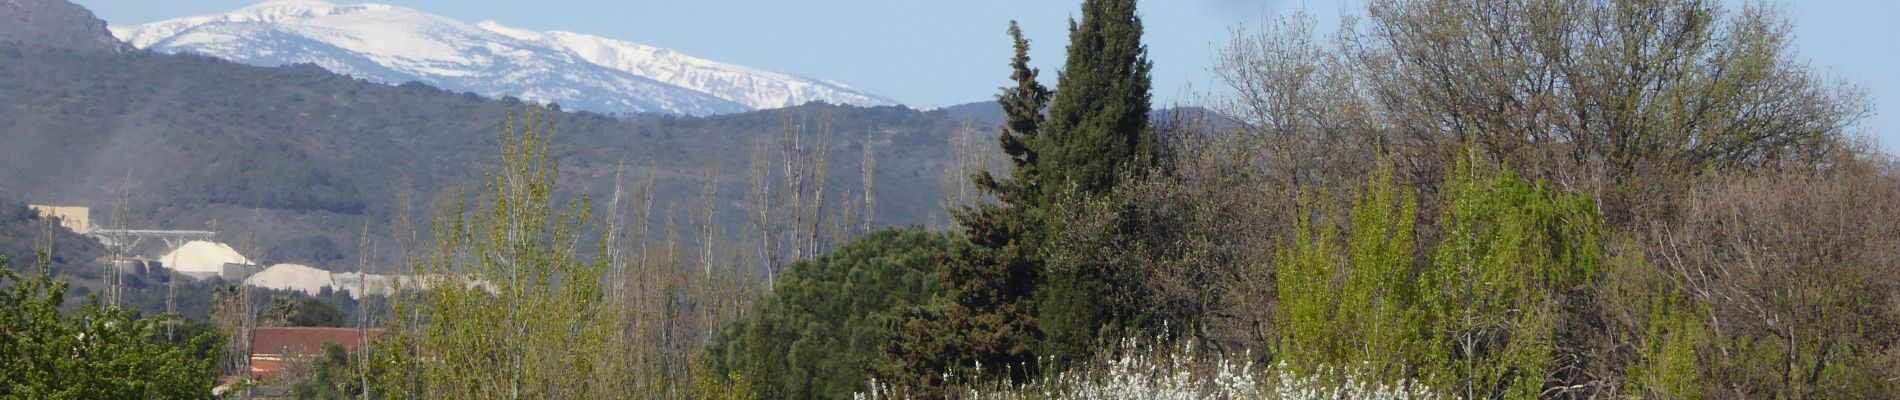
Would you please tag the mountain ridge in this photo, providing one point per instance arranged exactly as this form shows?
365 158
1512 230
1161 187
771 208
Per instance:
56 23
393 45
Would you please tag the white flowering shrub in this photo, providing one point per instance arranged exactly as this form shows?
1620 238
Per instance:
1138 373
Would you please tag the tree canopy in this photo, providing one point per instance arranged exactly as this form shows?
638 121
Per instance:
95 352
818 333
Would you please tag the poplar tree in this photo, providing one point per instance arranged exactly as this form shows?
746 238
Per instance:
511 308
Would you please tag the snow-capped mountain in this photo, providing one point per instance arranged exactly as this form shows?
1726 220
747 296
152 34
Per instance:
396 44
752 87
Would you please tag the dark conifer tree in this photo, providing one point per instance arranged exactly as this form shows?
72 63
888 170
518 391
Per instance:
1098 128
1001 307
985 314
1097 132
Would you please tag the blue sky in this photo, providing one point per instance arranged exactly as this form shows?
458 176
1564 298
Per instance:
946 52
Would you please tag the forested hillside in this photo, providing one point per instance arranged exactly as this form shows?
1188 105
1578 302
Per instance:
301 154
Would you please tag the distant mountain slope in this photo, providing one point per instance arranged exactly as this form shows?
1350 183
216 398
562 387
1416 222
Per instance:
754 88
989 115
391 44
55 23
985 113
298 153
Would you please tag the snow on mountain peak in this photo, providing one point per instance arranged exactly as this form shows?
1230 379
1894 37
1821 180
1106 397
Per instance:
272 11
755 88
497 27
397 44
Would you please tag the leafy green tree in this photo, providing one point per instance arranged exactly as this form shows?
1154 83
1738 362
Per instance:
818 332
1097 132
94 353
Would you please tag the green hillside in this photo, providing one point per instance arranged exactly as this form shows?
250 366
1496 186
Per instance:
278 156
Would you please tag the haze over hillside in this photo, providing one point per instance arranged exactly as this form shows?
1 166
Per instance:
299 154
393 45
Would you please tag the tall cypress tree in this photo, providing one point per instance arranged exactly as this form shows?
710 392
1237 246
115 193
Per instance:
1098 125
1097 131
985 315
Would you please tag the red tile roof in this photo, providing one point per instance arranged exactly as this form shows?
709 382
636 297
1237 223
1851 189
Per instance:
265 370
272 347
301 341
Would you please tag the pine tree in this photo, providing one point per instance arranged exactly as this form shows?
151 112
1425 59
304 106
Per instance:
992 278
985 315
1097 132
996 308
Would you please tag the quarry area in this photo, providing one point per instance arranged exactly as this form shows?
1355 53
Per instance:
197 255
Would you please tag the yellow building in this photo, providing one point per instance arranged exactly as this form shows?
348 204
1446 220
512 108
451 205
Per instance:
78 219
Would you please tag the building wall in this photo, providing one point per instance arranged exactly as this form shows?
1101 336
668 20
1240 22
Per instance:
78 219
234 272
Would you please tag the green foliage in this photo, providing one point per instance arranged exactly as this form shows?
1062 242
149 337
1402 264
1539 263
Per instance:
272 176
1669 343
1490 296
395 371
1669 367
94 353
818 332
512 310
1097 131
724 387
1360 315
1097 127
1810 365
1478 319
985 315
1002 304
283 311
330 376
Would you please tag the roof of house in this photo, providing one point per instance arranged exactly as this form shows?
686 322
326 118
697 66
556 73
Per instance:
305 340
